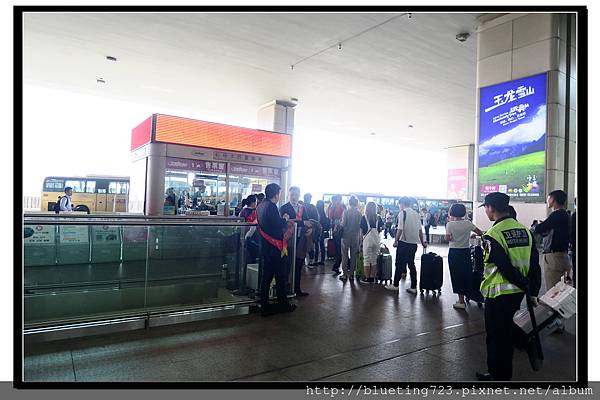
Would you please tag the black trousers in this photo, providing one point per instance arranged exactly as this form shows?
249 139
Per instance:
388 229
298 273
405 255
338 253
427 232
499 313
273 266
321 250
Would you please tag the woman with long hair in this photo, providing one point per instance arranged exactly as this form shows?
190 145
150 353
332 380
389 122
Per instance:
371 242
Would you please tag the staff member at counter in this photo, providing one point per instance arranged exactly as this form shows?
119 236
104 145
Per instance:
296 212
273 230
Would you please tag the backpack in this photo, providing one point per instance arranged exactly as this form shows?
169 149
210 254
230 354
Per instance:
56 207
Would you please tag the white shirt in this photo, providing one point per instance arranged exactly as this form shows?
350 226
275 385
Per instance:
411 227
65 203
461 232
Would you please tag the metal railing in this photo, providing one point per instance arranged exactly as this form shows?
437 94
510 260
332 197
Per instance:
31 202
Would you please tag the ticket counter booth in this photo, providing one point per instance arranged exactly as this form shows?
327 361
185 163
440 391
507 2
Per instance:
182 165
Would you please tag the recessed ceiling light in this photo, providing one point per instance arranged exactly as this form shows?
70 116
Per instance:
372 134
111 58
100 80
411 126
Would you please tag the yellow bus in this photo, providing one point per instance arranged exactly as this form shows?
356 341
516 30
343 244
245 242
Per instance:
97 193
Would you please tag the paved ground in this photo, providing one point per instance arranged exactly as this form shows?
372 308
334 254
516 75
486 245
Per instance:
341 332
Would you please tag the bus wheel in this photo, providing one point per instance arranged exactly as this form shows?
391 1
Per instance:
82 208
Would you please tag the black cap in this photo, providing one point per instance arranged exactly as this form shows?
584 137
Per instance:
497 200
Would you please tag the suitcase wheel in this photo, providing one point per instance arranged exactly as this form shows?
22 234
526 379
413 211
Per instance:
479 305
421 291
439 292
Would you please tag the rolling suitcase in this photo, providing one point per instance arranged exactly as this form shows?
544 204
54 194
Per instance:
330 248
476 275
384 265
432 272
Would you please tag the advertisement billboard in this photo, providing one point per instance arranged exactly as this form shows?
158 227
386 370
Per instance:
512 138
457 183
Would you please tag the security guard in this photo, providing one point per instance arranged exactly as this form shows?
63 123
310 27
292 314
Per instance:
508 255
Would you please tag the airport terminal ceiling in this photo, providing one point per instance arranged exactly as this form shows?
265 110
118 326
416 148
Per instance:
405 72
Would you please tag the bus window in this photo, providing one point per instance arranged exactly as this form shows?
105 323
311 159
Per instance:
102 187
90 187
122 187
118 188
54 185
77 185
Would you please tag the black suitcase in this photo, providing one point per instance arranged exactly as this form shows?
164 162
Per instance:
476 275
432 272
384 267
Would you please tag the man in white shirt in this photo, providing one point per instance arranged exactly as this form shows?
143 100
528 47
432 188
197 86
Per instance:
65 202
409 233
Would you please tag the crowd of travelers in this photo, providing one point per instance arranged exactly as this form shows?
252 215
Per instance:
511 263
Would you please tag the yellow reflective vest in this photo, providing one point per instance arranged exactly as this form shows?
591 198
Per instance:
516 241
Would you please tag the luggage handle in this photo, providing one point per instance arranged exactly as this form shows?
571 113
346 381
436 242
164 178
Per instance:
534 325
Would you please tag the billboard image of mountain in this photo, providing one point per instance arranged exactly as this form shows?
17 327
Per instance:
512 138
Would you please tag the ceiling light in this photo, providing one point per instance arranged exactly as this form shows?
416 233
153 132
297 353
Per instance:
111 58
411 126
372 133
463 36
100 80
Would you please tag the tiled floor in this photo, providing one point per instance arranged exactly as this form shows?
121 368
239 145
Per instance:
341 332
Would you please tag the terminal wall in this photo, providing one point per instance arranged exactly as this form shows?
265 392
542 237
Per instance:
513 46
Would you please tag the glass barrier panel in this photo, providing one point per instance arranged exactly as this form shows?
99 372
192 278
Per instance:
195 265
83 271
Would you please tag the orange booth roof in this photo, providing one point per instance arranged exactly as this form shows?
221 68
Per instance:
190 132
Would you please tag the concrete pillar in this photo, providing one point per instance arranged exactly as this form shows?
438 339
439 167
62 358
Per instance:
278 116
460 172
513 46
155 179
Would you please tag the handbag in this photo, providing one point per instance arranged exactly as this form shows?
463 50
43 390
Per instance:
338 232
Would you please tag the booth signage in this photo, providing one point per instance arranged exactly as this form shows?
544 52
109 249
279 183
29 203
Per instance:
105 234
42 234
253 170
219 155
74 234
196 165
512 138
135 234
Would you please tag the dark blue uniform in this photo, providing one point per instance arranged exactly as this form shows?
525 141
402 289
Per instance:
271 223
